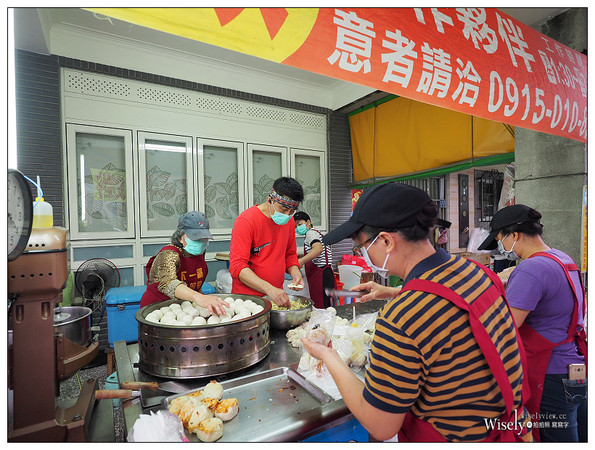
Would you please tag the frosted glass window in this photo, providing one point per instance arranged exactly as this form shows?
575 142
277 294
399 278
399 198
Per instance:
221 185
307 172
126 276
266 168
166 188
153 249
101 183
111 252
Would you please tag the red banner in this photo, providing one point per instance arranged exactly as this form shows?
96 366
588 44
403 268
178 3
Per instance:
478 61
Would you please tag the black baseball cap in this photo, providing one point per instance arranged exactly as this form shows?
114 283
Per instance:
195 225
510 215
390 206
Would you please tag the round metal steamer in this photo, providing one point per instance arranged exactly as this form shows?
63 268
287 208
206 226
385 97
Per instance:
197 351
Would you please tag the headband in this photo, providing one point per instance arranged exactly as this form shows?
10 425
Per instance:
286 202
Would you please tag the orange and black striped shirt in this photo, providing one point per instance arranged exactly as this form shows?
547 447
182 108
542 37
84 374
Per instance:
424 357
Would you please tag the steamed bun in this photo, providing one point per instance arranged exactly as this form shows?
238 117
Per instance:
227 409
200 413
210 430
199 320
213 390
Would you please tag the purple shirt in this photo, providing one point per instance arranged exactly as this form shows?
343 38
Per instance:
539 285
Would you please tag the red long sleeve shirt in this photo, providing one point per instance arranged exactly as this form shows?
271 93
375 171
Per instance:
263 246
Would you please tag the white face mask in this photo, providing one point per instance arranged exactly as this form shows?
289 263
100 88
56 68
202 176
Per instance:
509 254
379 270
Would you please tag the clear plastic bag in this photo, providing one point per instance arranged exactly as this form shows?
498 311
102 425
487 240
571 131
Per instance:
320 327
367 321
507 194
320 330
344 348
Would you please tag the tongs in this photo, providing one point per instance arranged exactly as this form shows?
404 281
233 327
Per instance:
344 293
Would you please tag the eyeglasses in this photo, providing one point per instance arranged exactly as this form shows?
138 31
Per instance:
288 211
357 249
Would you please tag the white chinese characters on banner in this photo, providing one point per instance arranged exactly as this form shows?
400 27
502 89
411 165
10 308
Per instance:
475 28
439 18
354 40
400 62
512 36
467 91
436 72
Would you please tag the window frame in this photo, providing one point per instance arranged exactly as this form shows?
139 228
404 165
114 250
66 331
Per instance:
73 165
200 174
142 179
251 148
295 151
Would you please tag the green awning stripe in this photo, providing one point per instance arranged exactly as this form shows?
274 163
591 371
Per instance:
488 161
373 105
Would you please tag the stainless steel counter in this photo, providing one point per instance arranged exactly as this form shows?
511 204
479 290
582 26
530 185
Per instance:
288 423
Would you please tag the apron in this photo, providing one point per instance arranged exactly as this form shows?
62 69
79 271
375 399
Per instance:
193 271
314 274
418 430
539 349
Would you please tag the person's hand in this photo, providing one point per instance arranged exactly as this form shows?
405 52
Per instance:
319 351
376 291
213 303
297 283
278 296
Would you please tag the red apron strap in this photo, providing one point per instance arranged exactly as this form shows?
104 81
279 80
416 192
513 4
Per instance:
484 341
573 328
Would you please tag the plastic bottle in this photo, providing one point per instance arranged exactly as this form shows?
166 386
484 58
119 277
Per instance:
43 213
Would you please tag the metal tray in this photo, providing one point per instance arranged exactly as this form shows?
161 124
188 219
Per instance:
274 406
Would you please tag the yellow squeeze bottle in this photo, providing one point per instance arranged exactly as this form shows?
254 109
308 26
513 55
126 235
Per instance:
43 213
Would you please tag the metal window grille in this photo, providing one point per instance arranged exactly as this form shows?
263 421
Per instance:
488 188
436 189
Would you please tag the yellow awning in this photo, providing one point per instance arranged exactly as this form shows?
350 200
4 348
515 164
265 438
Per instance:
403 136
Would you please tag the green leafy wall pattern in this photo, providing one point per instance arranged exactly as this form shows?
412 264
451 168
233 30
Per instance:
221 198
166 195
312 203
262 189
105 193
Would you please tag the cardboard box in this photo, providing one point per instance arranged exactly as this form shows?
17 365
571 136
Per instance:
481 258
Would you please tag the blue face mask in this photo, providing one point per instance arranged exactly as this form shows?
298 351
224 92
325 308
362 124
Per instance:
280 218
196 247
301 229
509 254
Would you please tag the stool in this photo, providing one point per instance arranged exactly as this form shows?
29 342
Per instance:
109 352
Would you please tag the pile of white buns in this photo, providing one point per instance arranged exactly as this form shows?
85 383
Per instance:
190 314
203 412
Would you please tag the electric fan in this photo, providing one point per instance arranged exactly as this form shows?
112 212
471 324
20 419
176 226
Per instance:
94 278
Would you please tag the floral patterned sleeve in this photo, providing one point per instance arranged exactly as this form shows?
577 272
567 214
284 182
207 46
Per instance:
165 272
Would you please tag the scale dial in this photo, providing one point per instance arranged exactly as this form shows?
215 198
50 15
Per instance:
20 213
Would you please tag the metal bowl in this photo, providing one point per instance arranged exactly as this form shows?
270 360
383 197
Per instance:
74 322
285 319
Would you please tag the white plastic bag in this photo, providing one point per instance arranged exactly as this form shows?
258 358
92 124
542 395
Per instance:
162 426
477 236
